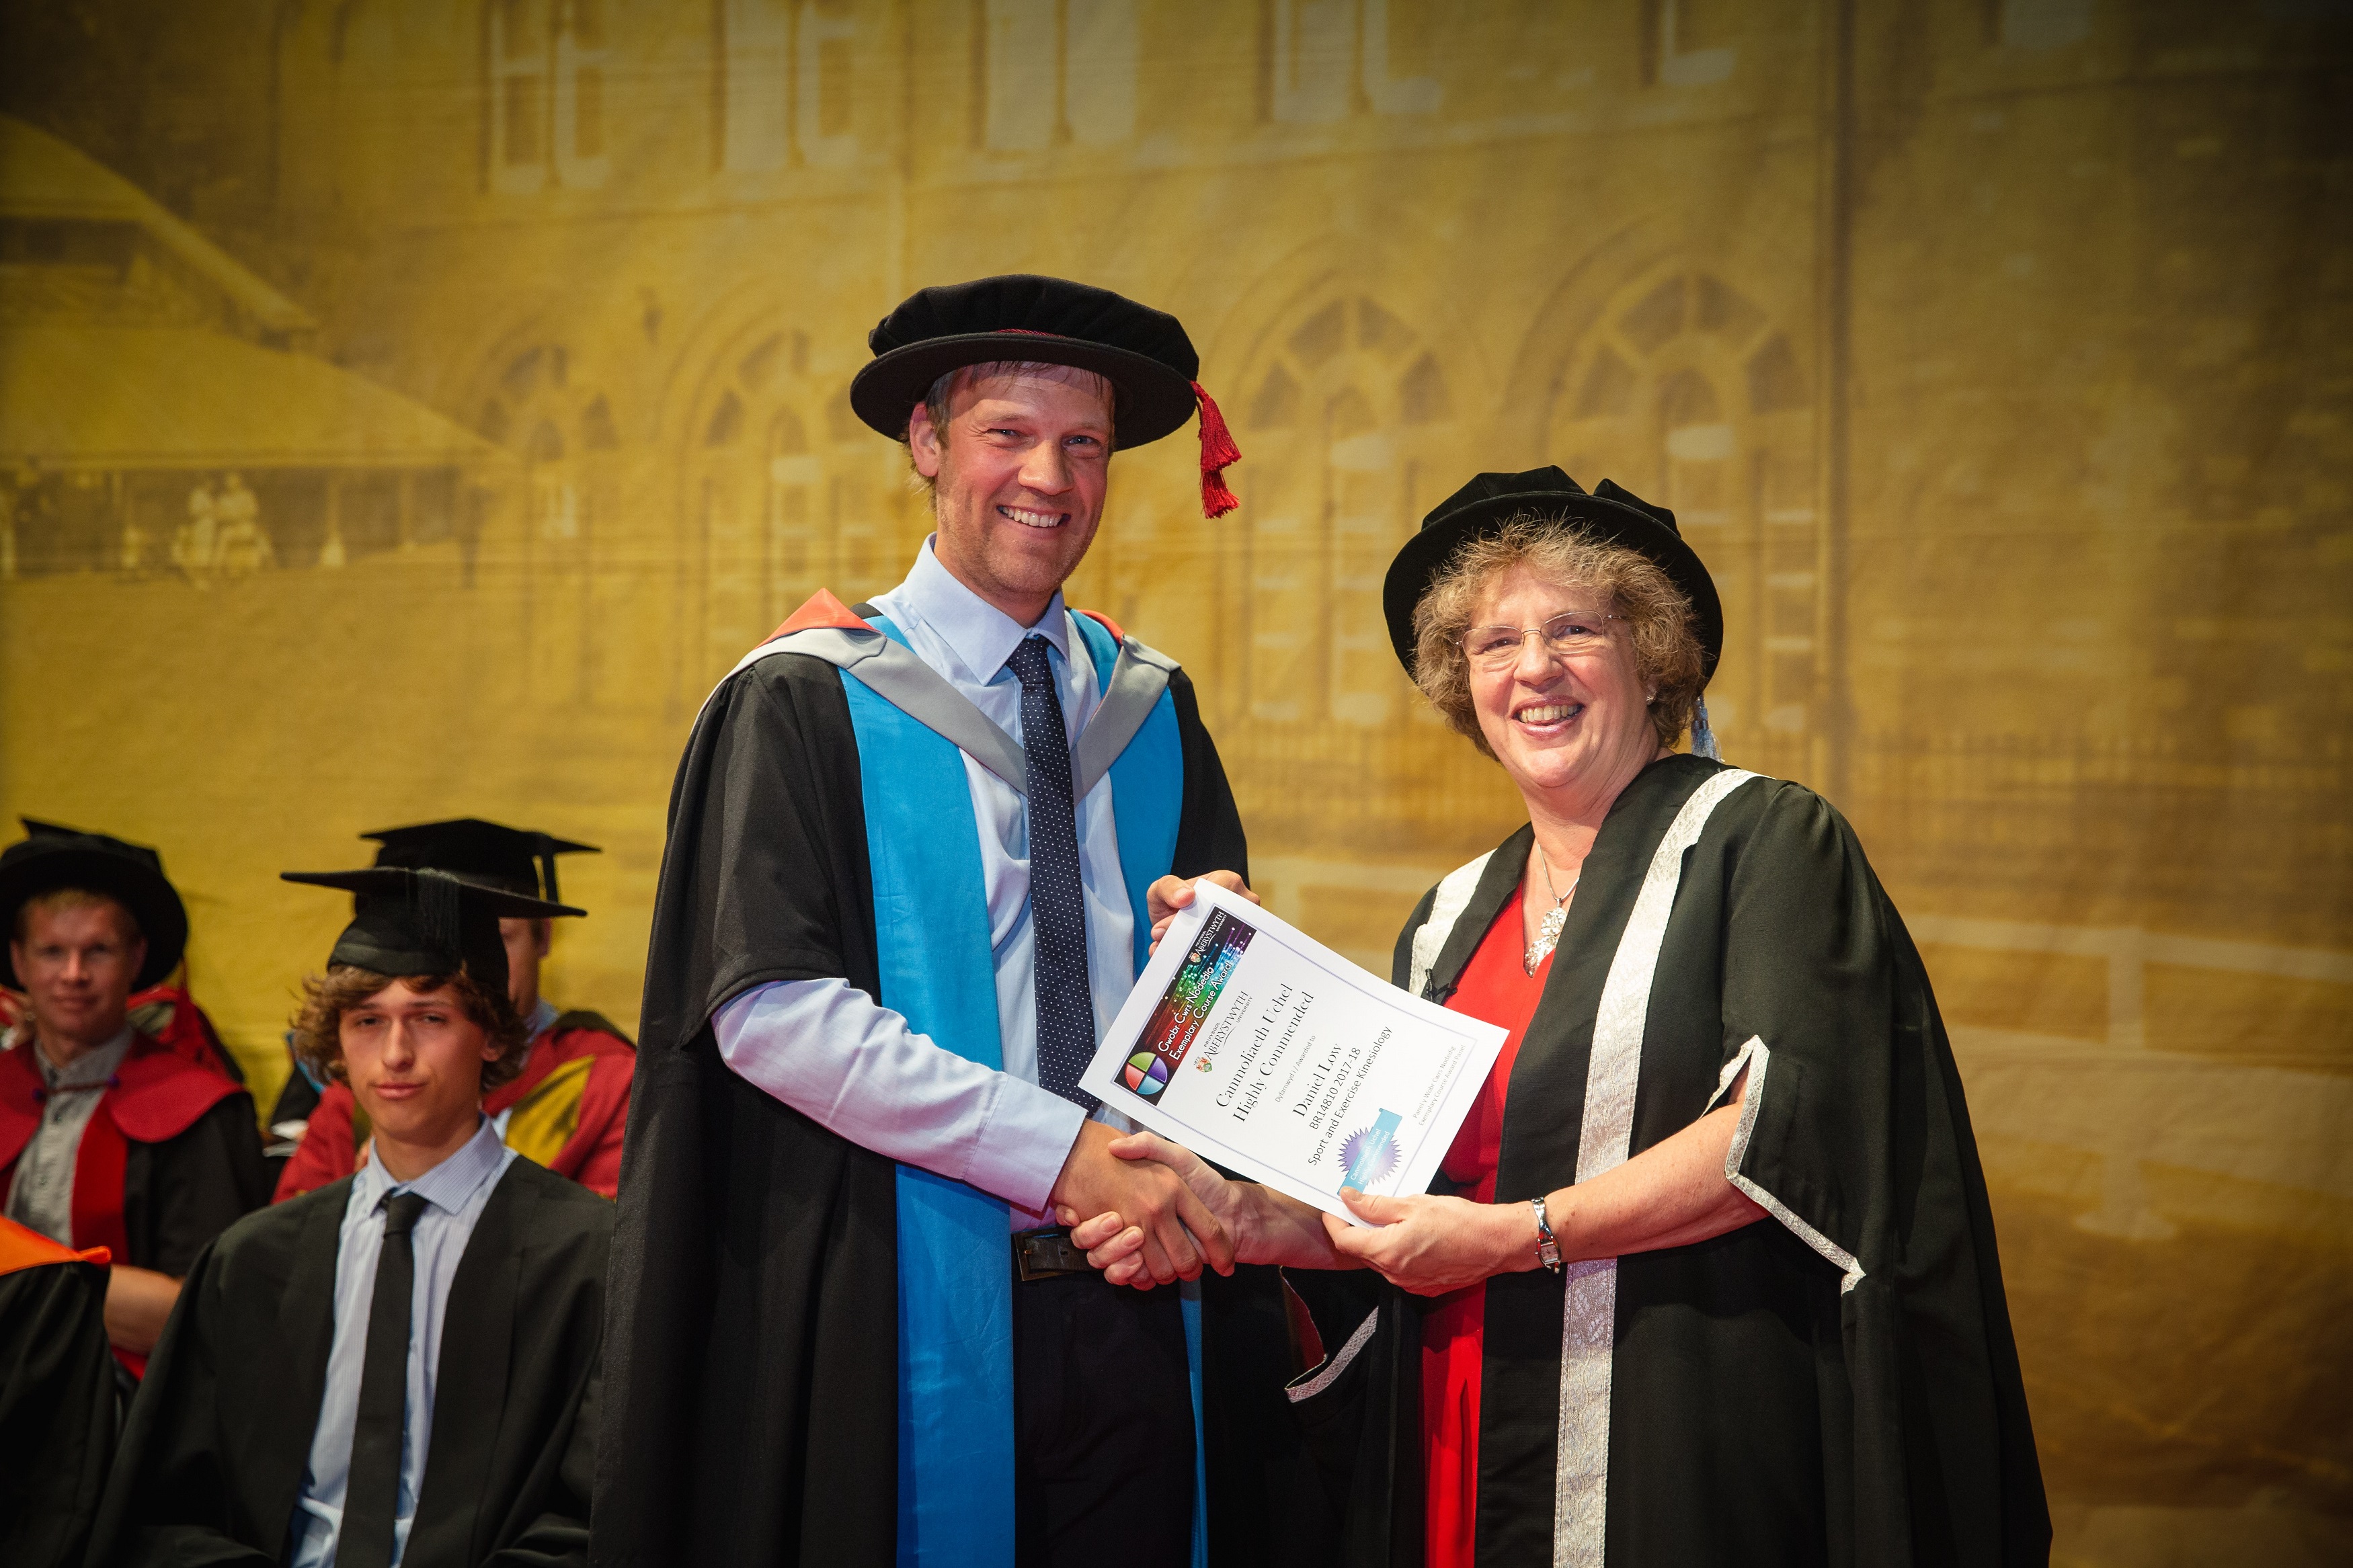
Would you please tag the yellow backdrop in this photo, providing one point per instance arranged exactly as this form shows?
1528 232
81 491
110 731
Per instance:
1997 355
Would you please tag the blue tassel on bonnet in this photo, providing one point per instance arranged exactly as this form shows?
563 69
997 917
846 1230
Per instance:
1702 737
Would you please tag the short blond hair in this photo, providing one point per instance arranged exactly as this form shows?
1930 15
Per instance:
65 900
1667 655
944 391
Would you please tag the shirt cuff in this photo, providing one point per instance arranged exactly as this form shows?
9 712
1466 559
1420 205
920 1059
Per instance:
1028 1138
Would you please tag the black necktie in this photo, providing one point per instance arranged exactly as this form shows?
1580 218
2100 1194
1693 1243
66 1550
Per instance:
1058 904
372 1489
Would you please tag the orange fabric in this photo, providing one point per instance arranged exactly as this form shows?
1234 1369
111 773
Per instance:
820 609
22 1246
1496 990
591 1156
1106 623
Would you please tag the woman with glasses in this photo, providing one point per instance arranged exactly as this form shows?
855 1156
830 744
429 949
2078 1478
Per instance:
1709 1276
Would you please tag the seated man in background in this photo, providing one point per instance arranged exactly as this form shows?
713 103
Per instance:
107 1138
165 1012
569 1106
57 1397
395 1366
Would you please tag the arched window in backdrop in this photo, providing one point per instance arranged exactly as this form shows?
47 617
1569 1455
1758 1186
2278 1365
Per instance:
1327 60
786 69
787 493
1347 413
544 76
1690 395
1055 72
568 438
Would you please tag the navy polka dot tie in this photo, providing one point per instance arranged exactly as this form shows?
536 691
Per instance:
1058 905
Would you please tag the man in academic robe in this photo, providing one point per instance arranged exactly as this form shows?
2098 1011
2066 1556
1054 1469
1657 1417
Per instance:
896 911
108 1139
57 1396
400 1366
569 1107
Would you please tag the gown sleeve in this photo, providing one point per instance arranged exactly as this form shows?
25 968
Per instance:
167 1500
765 831
1853 1134
57 1411
203 1181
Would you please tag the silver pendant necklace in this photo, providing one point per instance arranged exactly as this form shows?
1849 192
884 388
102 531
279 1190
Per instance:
1548 929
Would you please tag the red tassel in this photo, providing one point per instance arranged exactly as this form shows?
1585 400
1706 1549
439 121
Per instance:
1219 453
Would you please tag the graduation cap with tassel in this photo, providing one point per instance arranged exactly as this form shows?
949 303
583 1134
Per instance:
1142 352
519 859
417 921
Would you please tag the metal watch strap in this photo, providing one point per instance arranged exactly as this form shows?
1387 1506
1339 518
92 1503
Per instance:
1547 1244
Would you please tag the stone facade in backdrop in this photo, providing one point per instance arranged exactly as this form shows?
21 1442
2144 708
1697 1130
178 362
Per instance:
1997 355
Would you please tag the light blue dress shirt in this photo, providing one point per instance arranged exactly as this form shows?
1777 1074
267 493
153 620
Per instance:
827 1050
455 1192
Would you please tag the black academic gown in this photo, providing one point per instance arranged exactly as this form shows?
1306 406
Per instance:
216 1446
180 1193
57 1411
751 1411
1835 1383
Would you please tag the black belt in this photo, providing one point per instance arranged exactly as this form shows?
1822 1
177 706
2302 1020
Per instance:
1047 1253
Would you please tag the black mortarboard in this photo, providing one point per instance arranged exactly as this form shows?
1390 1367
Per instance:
522 860
427 922
54 857
1611 512
1141 351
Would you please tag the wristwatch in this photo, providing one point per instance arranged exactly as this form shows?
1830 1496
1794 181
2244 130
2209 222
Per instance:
1547 1244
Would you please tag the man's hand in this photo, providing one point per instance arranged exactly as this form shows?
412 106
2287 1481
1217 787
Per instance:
1177 1232
1170 894
1265 1226
1432 1245
138 1304
1117 1248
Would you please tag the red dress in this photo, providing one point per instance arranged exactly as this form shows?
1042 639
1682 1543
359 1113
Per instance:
1494 988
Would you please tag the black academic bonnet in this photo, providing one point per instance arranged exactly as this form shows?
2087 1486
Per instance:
519 859
54 857
1141 351
1611 514
426 921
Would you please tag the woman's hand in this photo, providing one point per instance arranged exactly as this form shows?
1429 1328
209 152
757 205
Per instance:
1170 894
1432 1245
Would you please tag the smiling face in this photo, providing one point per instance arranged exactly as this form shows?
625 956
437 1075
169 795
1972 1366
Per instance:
1574 725
1019 467
76 958
415 1059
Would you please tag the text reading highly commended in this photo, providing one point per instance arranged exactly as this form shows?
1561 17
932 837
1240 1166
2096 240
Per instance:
1262 1050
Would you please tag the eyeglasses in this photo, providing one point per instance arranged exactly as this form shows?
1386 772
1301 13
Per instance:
1493 648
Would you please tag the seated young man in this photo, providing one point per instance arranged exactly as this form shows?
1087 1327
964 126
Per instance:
569 1104
399 1366
108 1138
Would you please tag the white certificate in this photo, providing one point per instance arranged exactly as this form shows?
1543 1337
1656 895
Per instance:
1262 1050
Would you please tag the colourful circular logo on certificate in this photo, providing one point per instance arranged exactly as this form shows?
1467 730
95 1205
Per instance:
1147 1074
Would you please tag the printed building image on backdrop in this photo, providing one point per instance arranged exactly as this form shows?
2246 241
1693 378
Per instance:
412 410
